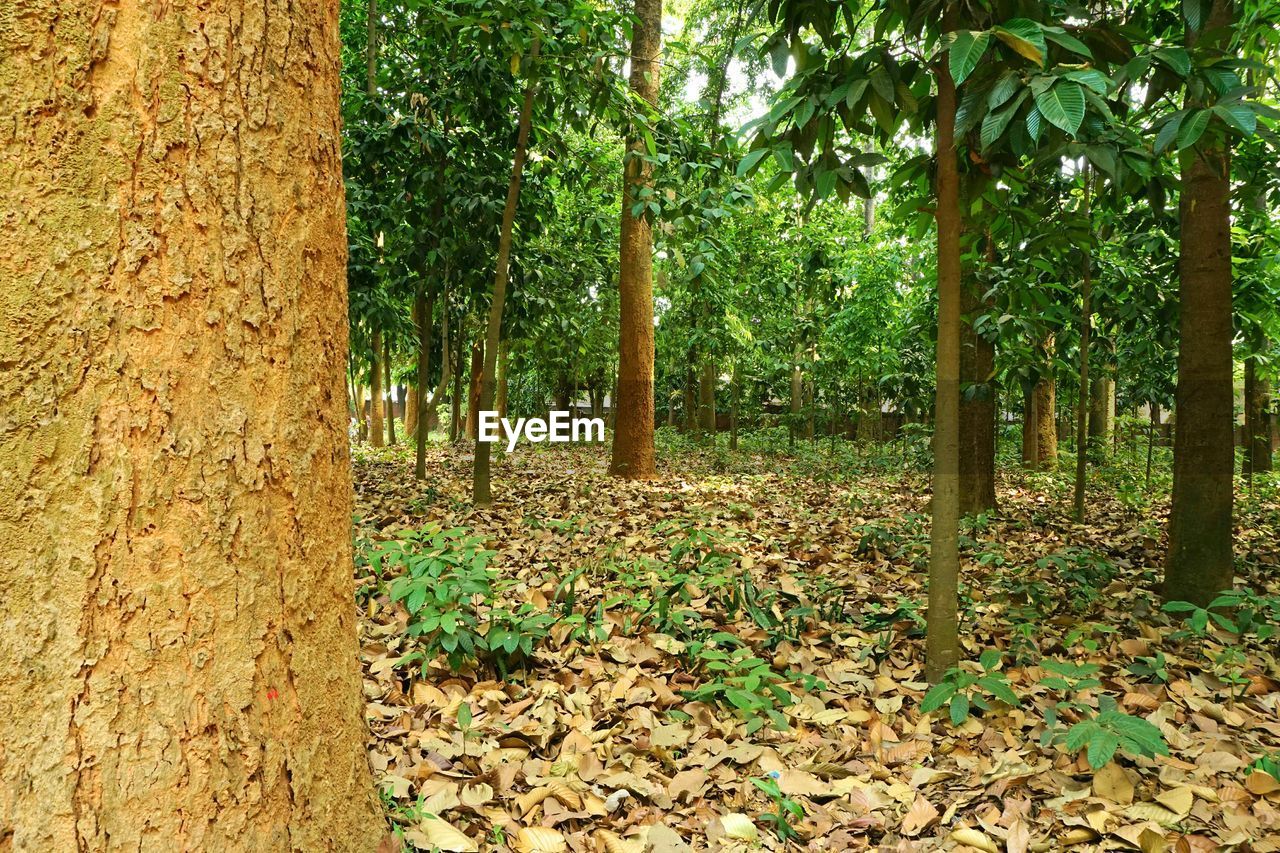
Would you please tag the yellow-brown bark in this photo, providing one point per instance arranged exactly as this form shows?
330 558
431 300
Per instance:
179 634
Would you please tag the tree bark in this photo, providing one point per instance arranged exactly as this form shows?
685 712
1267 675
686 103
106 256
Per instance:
1257 420
942 640
504 384
391 403
473 387
707 399
179 638
633 450
735 403
411 413
455 404
1199 563
377 407
1086 330
977 408
480 491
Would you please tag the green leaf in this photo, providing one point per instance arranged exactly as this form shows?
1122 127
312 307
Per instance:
937 696
1006 84
1193 128
1024 37
966 49
1062 105
1034 124
995 124
1239 116
747 163
1068 41
1091 77
1102 746
1193 12
959 709
1176 59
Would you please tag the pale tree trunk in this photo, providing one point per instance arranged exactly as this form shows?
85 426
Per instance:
377 407
411 413
424 406
455 403
942 641
1039 423
735 403
633 452
480 492
179 637
1199 563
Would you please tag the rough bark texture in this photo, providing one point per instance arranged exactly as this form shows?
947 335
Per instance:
707 398
1199 563
1257 420
633 453
1039 420
942 642
977 410
175 490
387 391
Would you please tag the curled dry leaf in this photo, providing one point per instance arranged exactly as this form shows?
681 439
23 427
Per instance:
539 839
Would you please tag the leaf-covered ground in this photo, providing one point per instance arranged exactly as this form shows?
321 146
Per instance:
743 637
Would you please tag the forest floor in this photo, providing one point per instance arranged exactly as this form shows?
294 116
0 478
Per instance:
730 657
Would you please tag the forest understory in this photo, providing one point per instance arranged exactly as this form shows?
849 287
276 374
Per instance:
730 657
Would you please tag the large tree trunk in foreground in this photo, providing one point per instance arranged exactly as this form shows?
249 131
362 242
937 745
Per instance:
977 410
942 641
633 453
1257 420
179 636
480 493
1199 563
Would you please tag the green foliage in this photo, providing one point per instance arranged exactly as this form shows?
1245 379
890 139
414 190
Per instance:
785 809
1101 735
962 691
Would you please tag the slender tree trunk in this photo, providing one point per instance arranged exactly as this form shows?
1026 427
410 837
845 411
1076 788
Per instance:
480 486
707 399
504 383
942 642
735 401
1086 329
423 314
179 644
455 412
797 392
377 433
391 403
411 414
633 452
473 387
1199 564
1257 420
977 405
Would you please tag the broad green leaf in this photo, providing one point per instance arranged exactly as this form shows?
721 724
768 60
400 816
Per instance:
1193 128
1025 38
1239 116
1193 12
1164 138
966 49
1006 84
1102 746
995 124
1034 124
1091 77
1176 59
747 163
959 709
1070 42
1062 105
937 696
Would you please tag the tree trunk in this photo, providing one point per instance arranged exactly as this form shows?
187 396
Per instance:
707 399
1199 563
1086 329
377 407
455 404
480 491
942 642
391 403
179 644
797 392
977 408
1040 421
473 387
633 452
504 385
1257 420
735 403
411 414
